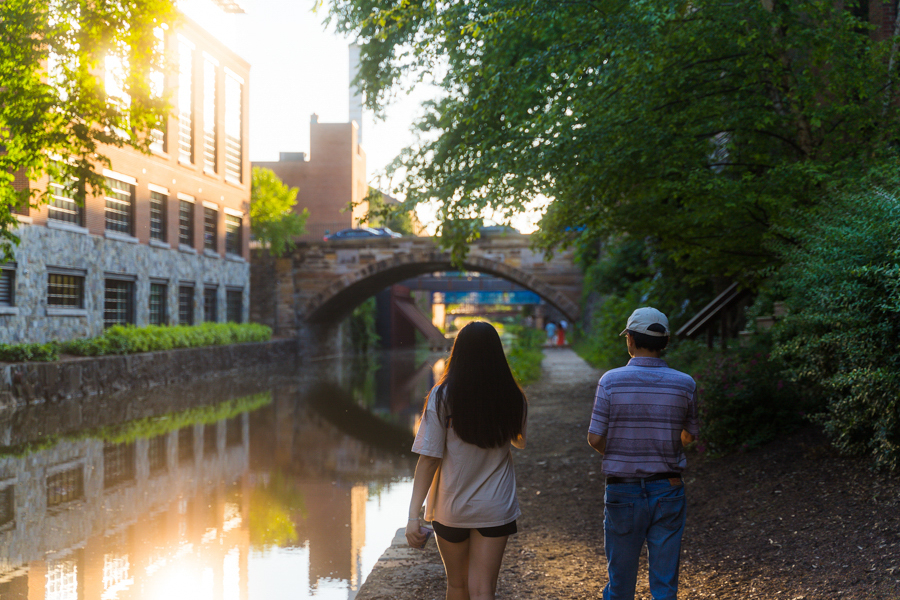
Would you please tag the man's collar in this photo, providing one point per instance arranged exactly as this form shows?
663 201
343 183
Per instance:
645 361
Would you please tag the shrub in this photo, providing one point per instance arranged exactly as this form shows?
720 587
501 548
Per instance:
525 354
29 352
744 398
128 339
363 337
630 273
841 337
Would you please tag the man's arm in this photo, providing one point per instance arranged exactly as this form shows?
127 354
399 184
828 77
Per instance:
598 442
686 437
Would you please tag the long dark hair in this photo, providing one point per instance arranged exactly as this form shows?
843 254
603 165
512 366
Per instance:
477 392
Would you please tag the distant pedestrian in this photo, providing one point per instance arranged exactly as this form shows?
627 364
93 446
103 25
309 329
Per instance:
551 332
472 417
561 334
644 413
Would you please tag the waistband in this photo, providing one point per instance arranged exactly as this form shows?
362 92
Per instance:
649 478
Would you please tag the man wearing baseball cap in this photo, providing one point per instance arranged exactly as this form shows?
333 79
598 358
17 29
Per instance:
644 413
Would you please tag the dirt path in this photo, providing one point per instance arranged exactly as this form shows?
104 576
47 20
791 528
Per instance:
787 521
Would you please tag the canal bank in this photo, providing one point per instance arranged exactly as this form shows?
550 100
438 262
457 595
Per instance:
71 377
790 520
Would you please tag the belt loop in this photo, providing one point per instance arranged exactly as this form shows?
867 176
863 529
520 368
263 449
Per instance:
643 484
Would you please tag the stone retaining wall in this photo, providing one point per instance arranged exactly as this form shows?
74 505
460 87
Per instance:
23 384
93 260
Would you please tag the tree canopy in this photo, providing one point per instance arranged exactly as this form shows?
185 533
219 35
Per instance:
75 76
704 125
273 221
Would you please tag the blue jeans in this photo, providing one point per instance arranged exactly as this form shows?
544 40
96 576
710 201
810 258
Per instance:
653 512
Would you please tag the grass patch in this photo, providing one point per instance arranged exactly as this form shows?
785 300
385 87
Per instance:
525 353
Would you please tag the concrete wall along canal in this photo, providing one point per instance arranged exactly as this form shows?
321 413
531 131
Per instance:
23 384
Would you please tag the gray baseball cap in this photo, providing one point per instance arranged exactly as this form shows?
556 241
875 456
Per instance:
641 319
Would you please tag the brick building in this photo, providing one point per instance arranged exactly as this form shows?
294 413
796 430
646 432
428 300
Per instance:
169 245
333 177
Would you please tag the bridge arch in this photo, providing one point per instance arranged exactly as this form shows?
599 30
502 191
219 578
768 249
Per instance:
308 293
336 300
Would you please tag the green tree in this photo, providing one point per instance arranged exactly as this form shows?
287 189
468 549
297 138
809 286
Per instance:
56 114
273 221
393 215
705 125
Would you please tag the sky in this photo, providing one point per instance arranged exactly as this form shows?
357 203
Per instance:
300 66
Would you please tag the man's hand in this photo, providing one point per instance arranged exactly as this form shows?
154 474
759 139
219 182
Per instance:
597 442
686 437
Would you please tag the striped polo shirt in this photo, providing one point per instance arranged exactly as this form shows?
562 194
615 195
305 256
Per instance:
641 409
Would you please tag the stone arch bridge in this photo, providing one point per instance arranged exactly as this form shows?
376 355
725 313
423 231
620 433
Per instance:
308 292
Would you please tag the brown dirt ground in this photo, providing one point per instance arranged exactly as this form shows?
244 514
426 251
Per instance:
790 520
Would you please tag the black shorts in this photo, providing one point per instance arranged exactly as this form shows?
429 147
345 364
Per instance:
459 534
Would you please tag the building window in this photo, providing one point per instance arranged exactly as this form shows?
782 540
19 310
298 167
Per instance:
156 453
185 101
210 228
119 206
185 305
234 151
118 464
210 133
159 139
20 182
234 306
210 304
62 207
234 234
234 431
210 439
65 486
7 287
7 505
118 303
116 572
159 314
186 223
186 444
62 579
158 204
65 291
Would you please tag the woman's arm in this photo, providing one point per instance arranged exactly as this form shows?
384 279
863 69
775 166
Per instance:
425 470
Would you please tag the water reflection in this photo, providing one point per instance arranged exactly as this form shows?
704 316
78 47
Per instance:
288 486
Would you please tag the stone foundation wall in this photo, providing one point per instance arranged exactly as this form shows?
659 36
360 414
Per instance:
97 258
23 384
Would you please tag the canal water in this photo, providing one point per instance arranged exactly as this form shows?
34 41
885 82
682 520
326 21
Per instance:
283 484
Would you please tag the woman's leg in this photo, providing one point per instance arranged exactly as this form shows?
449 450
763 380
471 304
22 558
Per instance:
456 564
485 556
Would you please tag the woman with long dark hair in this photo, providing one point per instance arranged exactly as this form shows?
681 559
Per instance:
472 417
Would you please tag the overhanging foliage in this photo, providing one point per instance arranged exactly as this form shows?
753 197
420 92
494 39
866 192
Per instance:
706 125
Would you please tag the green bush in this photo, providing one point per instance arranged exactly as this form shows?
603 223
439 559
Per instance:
630 273
744 398
525 353
129 339
363 337
841 337
29 352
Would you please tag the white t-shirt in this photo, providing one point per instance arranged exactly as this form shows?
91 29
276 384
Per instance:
473 487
